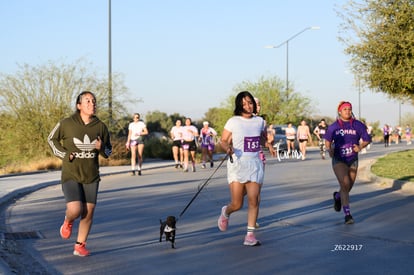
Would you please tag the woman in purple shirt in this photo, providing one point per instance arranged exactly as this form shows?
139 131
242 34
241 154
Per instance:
344 139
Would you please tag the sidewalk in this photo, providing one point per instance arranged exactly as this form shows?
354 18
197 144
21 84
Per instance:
18 185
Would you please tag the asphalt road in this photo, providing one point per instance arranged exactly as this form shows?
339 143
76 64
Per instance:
299 230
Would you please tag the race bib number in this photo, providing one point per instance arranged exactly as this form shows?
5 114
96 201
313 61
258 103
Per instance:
251 144
347 150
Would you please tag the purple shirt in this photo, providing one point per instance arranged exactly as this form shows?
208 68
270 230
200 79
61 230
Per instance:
344 135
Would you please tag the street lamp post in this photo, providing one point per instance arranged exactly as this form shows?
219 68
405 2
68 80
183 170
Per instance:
109 64
359 98
287 51
399 113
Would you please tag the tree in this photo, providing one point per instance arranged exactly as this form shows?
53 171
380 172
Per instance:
275 103
35 98
217 117
160 122
382 56
408 120
279 106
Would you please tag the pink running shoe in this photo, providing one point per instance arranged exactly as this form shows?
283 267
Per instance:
223 221
80 250
66 230
250 240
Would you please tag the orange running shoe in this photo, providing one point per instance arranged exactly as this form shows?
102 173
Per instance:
80 250
66 230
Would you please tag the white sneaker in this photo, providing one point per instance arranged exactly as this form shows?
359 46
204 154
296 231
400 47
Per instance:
223 221
250 240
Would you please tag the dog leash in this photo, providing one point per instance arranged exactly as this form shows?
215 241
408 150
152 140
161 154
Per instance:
205 183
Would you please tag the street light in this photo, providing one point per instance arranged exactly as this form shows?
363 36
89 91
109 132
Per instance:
287 51
357 84
359 98
109 64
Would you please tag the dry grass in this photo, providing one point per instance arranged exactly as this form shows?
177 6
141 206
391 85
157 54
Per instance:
38 165
118 157
52 163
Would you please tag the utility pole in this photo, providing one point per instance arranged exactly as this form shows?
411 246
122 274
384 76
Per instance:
109 65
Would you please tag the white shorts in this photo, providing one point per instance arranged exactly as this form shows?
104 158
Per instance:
245 169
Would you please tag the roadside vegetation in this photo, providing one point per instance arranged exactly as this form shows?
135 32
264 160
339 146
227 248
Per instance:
377 36
398 166
35 98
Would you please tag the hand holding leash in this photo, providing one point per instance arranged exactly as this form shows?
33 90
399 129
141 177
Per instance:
230 153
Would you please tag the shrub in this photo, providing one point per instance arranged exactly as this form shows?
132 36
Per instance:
158 148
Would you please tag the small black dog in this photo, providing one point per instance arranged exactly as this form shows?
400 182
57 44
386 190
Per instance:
168 228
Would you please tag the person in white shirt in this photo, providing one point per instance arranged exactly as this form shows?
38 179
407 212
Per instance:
242 138
176 134
320 131
135 143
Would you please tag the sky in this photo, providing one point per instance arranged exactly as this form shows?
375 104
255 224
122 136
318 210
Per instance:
188 56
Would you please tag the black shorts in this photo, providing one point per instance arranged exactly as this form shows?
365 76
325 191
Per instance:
353 163
177 143
190 145
86 193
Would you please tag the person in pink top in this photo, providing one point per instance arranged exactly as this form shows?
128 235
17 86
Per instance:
190 133
303 135
290 138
